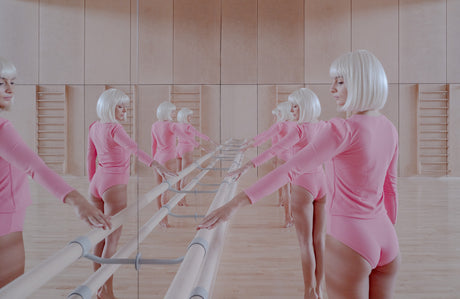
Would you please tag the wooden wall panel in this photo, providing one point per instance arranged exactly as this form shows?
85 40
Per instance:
375 28
239 106
391 109
239 42
327 35
107 42
281 41
150 96
454 136
22 113
408 130
453 41
61 42
196 42
76 131
155 42
19 37
210 112
422 41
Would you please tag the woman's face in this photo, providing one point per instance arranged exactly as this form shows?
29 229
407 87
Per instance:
189 118
339 91
120 112
6 93
295 110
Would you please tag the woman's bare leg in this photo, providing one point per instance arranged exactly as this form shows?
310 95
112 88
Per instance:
115 200
288 219
99 247
383 280
12 257
187 159
347 272
319 244
302 210
164 198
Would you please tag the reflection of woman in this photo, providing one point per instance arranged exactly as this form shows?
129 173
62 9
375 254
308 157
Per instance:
363 151
282 127
17 161
308 191
186 142
164 146
112 146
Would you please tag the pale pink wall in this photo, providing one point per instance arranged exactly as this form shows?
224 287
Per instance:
237 51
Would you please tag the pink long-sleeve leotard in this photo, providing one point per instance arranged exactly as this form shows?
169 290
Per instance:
17 161
276 132
186 134
363 152
112 146
296 139
163 141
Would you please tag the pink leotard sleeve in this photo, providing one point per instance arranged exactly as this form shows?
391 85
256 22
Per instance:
195 132
91 158
16 152
390 193
282 145
362 151
264 136
123 139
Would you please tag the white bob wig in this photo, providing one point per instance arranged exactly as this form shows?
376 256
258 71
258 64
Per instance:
308 102
164 111
282 112
183 114
7 69
365 79
107 103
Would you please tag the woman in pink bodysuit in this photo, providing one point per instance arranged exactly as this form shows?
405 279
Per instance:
17 161
186 142
283 126
164 146
361 244
109 143
308 191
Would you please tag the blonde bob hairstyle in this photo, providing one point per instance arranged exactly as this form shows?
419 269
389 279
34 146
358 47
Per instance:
282 112
183 114
164 111
365 79
7 71
308 102
107 103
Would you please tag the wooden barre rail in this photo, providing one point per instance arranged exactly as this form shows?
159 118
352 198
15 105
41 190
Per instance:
33 279
189 270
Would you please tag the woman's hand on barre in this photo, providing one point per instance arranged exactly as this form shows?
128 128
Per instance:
162 170
235 174
86 211
225 212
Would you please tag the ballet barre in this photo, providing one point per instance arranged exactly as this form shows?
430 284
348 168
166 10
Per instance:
198 251
35 278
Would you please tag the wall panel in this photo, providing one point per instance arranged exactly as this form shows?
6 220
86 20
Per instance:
19 37
61 42
107 42
408 130
210 112
155 41
422 41
454 124
327 35
196 42
76 131
453 41
22 113
281 41
239 42
375 28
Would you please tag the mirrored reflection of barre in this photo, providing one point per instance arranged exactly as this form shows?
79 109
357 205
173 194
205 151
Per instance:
35 278
201 261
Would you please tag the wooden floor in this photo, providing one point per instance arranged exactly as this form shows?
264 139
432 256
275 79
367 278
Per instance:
260 258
